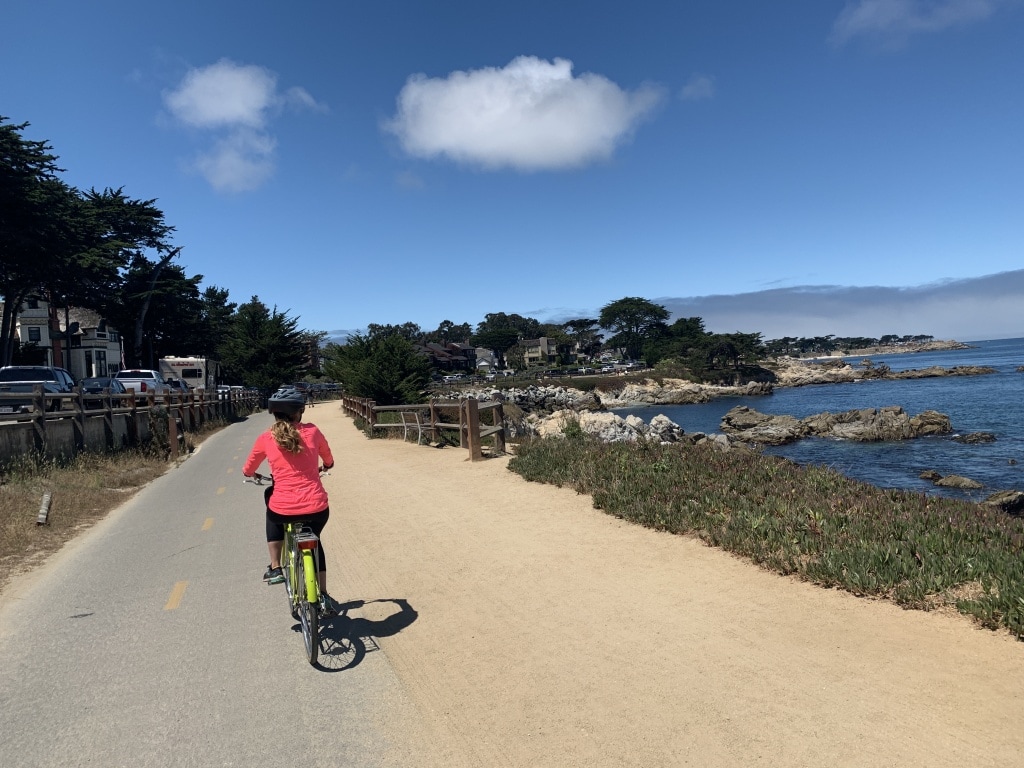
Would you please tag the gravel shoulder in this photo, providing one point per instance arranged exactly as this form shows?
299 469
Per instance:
548 633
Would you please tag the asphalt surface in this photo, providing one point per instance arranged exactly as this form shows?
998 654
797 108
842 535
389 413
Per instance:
153 641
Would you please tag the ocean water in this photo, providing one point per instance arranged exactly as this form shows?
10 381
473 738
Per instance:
989 403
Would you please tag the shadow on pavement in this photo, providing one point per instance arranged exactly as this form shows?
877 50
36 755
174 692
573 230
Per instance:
346 639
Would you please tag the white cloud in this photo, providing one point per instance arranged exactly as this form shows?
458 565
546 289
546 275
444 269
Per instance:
531 115
698 88
240 162
237 103
224 94
892 21
301 97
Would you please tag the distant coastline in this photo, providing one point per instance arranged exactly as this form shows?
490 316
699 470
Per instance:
896 349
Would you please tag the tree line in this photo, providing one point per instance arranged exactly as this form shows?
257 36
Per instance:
387 364
108 252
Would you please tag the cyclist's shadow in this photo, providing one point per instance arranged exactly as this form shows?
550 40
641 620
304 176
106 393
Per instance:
345 639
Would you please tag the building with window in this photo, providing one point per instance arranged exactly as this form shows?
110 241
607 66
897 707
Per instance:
95 346
79 340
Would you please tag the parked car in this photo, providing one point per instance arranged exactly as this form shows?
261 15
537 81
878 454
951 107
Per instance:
96 385
100 385
22 380
177 386
143 381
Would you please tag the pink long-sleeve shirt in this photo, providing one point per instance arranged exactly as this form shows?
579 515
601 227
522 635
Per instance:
297 486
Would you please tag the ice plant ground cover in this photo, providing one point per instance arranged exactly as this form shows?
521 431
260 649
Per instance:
809 521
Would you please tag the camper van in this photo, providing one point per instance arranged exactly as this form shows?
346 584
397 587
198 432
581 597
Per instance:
197 372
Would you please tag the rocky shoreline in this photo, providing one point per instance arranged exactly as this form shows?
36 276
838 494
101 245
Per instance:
547 410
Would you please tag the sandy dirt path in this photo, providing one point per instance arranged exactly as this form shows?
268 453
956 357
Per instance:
551 634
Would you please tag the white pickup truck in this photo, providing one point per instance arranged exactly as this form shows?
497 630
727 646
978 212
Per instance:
143 381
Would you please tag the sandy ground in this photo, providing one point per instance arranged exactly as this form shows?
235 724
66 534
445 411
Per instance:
551 634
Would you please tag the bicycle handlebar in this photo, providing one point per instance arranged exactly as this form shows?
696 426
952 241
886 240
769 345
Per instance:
257 478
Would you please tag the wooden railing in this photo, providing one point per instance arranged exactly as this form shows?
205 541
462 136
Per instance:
64 424
438 415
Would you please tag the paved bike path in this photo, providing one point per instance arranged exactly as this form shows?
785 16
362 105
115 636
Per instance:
152 641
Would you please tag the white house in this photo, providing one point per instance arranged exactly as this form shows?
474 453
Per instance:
95 347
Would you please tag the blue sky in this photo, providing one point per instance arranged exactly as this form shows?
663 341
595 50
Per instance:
794 168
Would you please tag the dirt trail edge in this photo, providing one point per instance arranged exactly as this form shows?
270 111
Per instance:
548 633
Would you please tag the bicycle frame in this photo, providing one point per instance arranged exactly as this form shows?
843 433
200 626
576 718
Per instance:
300 539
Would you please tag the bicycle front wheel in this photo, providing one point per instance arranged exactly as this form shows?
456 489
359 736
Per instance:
309 614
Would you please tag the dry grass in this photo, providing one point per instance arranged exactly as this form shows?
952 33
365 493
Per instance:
83 490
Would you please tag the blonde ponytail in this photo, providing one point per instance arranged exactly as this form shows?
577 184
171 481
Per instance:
286 436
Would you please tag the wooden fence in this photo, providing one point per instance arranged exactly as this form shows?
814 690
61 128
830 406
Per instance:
63 425
468 416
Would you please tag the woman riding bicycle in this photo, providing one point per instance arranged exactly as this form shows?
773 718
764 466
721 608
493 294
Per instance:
294 451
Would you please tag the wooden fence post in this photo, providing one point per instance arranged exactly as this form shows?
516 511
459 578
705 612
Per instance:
39 417
133 420
473 430
172 431
79 420
499 436
108 420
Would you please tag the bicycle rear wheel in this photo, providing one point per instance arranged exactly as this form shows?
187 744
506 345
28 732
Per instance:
309 614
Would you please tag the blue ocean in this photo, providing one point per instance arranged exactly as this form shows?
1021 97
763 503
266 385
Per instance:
988 403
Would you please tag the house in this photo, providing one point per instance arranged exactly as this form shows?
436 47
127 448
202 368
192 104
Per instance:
542 351
486 361
95 346
450 356
79 340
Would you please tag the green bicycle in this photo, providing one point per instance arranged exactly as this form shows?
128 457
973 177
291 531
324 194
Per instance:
300 561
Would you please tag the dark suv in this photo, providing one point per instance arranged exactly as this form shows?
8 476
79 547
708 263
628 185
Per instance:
22 380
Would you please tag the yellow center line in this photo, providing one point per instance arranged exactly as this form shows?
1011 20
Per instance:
231 471
176 594
208 524
221 490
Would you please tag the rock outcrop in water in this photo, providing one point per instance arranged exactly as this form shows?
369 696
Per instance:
862 425
799 373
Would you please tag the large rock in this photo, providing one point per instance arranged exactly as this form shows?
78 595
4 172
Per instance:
797 373
664 430
973 438
862 425
605 426
534 399
610 428
675 392
750 426
1011 502
958 481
